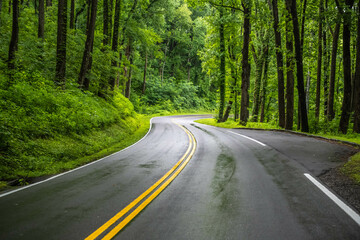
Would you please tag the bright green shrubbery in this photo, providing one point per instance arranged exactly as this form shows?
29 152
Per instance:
169 97
41 124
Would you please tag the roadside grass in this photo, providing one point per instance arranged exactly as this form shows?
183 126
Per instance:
352 168
44 157
232 124
351 137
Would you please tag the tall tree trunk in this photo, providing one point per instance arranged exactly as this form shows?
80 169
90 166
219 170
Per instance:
303 24
128 82
280 65
227 111
326 64
13 47
346 104
307 92
106 23
264 86
259 62
245 75
41 22
110 21
72 14
145 71
115 41
291 5
319 61
61 44
164 62
331 112
289 76
222 65
84 81
357 79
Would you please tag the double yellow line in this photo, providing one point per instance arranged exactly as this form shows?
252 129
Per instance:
169 177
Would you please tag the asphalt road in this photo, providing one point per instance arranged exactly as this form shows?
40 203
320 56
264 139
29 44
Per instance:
233 184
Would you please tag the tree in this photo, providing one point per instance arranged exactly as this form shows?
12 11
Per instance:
72 14
222 64
357 79
331 112
85 69
41 19
61 44
291 5
106 22
289 75
112 81
346 104
13 47
280 64
319 61
245 75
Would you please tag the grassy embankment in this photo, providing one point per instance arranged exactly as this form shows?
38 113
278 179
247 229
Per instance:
45 130
351 168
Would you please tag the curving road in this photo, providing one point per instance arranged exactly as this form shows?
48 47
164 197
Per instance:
186 180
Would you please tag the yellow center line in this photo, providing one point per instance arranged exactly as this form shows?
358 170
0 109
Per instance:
123 223
105 226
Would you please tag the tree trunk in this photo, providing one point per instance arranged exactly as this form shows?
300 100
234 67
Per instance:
110 21
280 65
61 44
86 64
259 62
346 104
163 64
128 82
289 76
357 80
331 112
326 72
303 24
106 23
13 47
41 23
319 62
145 71
264 86
245 75
326 64
307 92
222 65
291 4
227 111
72 14
115 41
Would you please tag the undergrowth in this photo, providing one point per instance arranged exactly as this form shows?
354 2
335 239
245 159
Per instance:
46 130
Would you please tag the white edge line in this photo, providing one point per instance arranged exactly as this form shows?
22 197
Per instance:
262 144
73 170
333 197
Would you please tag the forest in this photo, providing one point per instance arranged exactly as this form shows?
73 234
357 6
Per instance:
73 72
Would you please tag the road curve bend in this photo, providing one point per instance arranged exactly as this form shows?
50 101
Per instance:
186 180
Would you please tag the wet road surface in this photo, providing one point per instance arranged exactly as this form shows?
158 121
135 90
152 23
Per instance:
239 184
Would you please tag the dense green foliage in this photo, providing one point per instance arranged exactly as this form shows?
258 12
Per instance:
41 126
